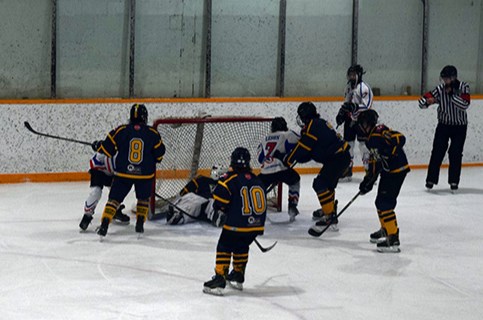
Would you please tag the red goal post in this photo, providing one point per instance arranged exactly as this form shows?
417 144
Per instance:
195 144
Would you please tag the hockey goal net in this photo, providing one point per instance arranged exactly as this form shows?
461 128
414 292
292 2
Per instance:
194 145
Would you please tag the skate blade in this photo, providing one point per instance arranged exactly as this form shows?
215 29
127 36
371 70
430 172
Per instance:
334 228
140 236
236 285
376 241
393 249
121 223
213 291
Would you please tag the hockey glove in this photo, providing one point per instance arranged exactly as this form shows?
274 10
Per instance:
350 107
278 155
218 219
341 117
96 145
367 184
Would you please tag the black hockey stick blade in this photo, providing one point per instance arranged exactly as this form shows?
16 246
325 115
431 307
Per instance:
317 233
262 249
29 127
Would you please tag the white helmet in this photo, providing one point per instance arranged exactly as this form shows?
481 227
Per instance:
217 171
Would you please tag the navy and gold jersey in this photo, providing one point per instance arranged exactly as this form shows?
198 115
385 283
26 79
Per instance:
319 141
136 148
386 149
242 197
200 185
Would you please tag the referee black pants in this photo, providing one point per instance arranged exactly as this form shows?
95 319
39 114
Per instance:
445 133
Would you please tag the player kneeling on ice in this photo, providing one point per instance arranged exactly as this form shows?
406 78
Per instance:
101 172
195 201
281 140
388 159
240 206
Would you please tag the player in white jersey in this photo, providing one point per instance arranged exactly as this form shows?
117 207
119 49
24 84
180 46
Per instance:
358 98
101 171
281 140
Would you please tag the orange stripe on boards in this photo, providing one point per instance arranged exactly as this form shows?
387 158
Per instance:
163 174
204 100
44 177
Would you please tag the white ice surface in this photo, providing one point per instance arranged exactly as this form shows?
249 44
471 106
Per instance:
49 270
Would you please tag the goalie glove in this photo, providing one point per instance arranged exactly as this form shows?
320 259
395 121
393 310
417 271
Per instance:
350 107
341 117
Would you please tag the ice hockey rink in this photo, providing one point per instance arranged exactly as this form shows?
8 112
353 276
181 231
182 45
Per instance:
49 270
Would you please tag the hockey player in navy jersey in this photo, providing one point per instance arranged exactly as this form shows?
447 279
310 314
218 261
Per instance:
137 148
101 172
387 159
358 98
280 140
240 207
320 142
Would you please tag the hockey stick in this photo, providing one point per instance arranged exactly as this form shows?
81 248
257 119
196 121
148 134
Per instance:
316 233
262 249
175 206
197 218
27 125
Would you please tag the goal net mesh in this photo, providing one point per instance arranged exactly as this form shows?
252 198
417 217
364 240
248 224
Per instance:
195 145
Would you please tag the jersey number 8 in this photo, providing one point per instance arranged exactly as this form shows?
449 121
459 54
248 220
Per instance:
136 148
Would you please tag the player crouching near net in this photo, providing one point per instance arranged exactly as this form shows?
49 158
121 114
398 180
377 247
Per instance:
240 206
388 159
195 201
280 140
320 142
101 172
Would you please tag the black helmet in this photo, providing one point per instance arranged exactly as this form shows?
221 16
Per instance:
306 112
359 71
279 124
139 114
449 72
367 120
240 158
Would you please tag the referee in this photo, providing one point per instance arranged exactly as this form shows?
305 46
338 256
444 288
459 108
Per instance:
453 99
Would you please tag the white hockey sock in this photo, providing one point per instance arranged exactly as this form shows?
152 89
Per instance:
92 200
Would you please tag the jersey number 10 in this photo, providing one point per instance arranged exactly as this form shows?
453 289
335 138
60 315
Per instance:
253 200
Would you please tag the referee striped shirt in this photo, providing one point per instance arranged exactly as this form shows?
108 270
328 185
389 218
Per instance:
451 107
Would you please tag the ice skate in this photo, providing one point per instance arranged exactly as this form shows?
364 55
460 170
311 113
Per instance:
86 220
453 187
102 231
215 286
140 226
326 222
390 245
235 279
429 185
292 212
378 236
121 218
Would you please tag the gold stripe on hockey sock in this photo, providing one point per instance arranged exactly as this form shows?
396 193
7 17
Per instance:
223 260
142 209
110 209
388 220
326 200
240 262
